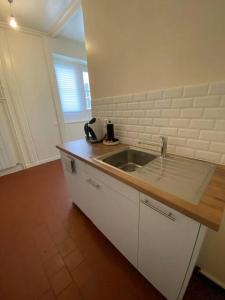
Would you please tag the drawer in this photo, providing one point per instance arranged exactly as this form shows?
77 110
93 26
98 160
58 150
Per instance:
114 184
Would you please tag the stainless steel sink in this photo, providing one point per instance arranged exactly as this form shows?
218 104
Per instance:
129 160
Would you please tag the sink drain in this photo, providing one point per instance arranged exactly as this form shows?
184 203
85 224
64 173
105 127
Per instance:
130 167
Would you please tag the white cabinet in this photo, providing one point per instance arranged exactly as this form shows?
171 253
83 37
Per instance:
111 205
116 212
75 180
166 243
161 242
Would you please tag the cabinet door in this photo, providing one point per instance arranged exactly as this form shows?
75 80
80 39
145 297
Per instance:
76 181
114 213
166 242
119 223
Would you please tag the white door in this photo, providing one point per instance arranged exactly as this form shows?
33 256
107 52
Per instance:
166 242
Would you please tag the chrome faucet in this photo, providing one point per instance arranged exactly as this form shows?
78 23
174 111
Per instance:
163 146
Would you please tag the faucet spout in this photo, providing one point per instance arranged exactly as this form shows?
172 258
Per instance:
163 146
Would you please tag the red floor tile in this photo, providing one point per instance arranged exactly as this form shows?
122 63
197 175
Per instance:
66 247
60 280
53 265
82 274
73 259
70 293
48 296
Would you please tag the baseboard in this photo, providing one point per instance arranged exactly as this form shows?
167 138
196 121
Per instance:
43 161
14 169
212 278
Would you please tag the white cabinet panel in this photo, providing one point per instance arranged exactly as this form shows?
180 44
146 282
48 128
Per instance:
114 213
166 243
76 182
161 242
109 209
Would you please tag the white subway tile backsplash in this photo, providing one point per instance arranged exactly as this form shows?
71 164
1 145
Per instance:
122 106
182 102
173 92
145 121
138 113
192 112
122 120
139 97
133 121
168 131
202 124
193 118
208 101
217 147
212 135
160 122
196 90
132 134
144 136
207 155
184 151
188 133
177 141
222 101
153 130
153 113
217 88
215 113
146 104
136 128
133 105
198 144
152 95
220 125
126 113
183 123
163 103
170 113
121 133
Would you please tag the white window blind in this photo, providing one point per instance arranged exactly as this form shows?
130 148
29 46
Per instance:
73 89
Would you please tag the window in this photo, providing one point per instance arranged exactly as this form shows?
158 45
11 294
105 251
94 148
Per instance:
87 90
73 88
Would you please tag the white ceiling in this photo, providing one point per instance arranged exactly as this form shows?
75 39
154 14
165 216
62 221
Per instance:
74 28
42 15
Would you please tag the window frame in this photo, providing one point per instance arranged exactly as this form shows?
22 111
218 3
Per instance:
85 114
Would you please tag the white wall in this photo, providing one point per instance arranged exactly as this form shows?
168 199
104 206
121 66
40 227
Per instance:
71 131
140 46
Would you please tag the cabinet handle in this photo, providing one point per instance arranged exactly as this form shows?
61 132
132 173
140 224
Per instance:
94 184
169 215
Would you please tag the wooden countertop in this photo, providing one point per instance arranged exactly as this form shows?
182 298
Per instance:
209 211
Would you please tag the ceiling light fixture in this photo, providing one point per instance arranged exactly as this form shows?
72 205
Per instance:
12 19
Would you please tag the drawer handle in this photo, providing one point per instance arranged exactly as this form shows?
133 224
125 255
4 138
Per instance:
94 184
169 215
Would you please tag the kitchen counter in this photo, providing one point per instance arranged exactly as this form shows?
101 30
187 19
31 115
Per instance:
208 211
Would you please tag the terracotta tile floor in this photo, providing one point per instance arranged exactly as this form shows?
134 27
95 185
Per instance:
50 250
